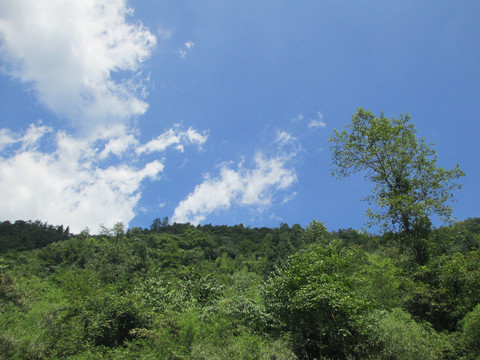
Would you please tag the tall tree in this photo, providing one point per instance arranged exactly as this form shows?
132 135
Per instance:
409 185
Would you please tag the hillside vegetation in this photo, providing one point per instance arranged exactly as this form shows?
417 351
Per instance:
233 292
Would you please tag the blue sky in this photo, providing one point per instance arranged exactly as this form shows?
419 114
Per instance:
220 111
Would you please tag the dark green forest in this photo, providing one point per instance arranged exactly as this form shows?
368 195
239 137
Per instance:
178 291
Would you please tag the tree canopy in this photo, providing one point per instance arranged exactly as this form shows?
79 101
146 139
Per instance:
409 185
234 292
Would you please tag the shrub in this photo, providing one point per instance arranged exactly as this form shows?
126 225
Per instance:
471 332
395 335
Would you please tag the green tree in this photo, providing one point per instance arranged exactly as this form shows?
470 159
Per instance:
409 185
118 230
313 298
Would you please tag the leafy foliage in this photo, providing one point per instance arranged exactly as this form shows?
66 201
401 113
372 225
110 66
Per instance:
409 185
312 297
28 235
471 331
397 336
218 292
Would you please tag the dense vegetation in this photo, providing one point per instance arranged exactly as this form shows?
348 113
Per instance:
233 292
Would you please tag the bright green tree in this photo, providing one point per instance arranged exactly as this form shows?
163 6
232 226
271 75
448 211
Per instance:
409 185
312 296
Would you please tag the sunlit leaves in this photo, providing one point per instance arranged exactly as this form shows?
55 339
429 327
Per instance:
408 184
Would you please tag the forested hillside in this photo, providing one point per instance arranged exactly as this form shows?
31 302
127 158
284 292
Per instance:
177 291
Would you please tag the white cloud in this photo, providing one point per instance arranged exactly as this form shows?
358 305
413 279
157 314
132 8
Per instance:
254 186
245 186
6 138
74 185
284 137
68 50
175 136
211 195
194 137
289 197
317 122
33 134
83 60
118 145
29 140
269 175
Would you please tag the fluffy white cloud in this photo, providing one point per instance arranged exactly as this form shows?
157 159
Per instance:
174 137
245 186
269 175
83 182
83 59
68 50
250 186
212 194
28 140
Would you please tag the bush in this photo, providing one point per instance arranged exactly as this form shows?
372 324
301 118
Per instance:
108 320
8 290
471 332
395 335
312 298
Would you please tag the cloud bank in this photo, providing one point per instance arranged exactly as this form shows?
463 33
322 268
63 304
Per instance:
83 181
82 58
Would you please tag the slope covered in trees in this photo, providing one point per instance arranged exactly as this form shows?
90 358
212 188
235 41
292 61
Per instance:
28 235
233 292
